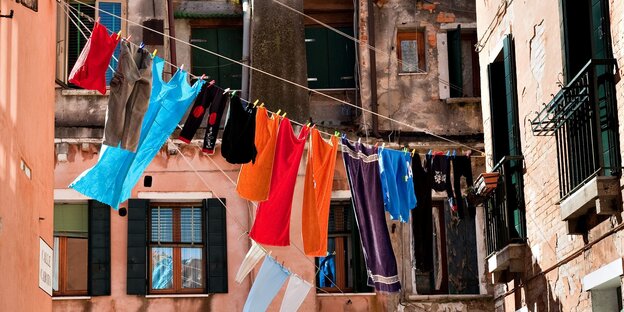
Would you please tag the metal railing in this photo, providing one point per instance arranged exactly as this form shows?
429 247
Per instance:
583 118
504 209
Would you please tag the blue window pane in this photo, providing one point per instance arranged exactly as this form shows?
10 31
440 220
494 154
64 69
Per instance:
191 225
113 24
162 268
192 268
162 225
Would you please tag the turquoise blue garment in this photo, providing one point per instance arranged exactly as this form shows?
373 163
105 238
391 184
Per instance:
266 286
111 180
397 183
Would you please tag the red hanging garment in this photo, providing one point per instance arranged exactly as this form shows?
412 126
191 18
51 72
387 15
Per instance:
89 72
272 224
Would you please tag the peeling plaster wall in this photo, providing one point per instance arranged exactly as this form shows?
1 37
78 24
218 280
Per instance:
536 28
415 98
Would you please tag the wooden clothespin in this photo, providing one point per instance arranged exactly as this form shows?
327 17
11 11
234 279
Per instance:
376 144
128 38
413 152
255 103
383 145
262 104
154 54
202 77
278 112
226 91
284 116
119 35
182 67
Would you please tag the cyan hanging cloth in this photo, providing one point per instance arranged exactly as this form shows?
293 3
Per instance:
111 180
266 286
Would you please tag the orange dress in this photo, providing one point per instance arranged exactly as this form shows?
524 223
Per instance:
317 194
254 179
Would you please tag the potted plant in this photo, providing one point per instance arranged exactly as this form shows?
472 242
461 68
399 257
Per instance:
486 183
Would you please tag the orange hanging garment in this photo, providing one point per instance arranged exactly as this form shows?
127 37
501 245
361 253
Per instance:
317 194
254 179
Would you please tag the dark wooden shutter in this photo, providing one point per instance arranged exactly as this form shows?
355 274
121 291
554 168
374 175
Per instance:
317 57
216 246
99 249
341 59
230 44
205 63
137 247
511 95
453 38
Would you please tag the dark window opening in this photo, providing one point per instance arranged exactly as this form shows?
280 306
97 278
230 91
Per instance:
411 51
330 58
463 63
225 41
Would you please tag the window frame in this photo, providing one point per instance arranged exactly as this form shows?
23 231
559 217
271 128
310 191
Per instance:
419 36
63 25
61 274
176 246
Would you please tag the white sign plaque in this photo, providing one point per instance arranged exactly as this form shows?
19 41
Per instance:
46 255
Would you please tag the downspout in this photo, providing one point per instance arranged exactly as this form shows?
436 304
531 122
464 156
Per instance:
373 68
172 43
246 39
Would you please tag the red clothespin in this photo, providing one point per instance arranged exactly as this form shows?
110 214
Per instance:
212 82
128 38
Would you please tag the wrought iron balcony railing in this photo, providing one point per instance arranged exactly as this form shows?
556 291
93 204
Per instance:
583 118
504 213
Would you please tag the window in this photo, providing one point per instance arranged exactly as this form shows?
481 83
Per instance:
411 51
330 58
71 40
225 41
343 267
81 249
176 248
463 63
70 249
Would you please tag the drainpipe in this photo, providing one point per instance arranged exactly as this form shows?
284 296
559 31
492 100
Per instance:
246 36
373 68
172 43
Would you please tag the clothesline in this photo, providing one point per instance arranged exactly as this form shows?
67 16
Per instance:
280 78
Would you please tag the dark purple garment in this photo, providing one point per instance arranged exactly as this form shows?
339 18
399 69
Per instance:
361 164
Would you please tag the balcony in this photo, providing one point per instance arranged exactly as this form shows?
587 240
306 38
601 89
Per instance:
505 220
583 119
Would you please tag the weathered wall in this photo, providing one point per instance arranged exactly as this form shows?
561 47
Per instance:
27 132
414 98
549 283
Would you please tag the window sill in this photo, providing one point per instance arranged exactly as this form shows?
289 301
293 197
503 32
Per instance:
178 296
59 298
83 92
463 100
415 297
345 294
413 74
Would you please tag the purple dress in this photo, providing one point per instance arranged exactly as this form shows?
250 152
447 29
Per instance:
362 168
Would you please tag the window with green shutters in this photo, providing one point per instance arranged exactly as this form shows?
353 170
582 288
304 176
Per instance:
225 41
176 248
81 249
330 58
463 63
74 32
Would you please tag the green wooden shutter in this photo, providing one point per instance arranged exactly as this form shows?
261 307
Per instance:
317 57
216 246
75 39
113 25
341 61
136 280
453 37
202 62
99 249
230 44
511 97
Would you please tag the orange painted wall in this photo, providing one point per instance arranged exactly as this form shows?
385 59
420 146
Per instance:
27 68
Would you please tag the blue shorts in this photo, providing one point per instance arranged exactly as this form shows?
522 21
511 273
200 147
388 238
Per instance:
397 183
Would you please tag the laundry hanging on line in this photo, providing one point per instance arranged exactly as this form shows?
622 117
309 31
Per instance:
267 284
397 183
237 145
89 72
117 171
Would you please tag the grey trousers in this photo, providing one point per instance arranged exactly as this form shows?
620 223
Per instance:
129 97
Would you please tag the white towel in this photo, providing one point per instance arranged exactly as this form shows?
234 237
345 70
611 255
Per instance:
252 258
296 291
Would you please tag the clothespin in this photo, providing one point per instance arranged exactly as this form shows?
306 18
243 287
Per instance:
212 82
119 35
278 112
376 144
233 93
98 20
154 54
262 104
308 125
429 152
413 152
226 91
454 153
359 140
383 145
142 45
255 103
448 153
182 67
128 38
337 133
202 77
284 116
405 150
